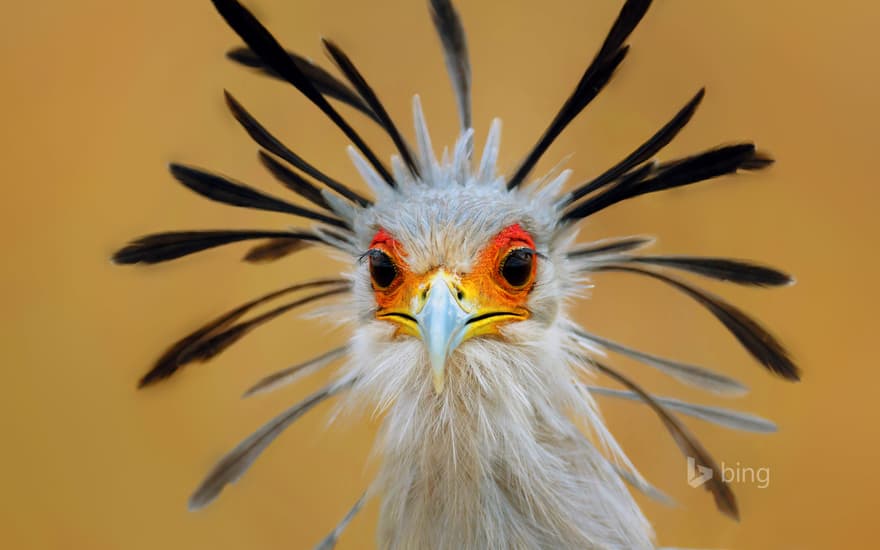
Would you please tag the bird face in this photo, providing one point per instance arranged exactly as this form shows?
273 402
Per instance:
444 307
454 268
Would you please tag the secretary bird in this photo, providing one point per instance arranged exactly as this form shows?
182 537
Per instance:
458 291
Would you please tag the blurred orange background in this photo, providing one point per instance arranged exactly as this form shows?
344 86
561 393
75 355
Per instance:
100 95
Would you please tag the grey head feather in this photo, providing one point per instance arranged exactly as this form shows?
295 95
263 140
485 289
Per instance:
290 375
716 415
331 539
232 466
693 375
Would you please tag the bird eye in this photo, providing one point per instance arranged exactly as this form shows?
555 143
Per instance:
516 268
382 269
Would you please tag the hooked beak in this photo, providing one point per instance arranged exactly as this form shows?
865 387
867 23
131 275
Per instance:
442 322
444 311
449 312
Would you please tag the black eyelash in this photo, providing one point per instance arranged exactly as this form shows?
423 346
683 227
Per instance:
362 257
533 252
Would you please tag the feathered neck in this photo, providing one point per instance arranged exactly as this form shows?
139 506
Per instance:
494 461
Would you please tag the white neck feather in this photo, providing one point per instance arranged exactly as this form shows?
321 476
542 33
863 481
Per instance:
494 461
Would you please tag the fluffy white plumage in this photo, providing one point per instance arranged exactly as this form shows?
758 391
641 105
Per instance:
491 440
496 460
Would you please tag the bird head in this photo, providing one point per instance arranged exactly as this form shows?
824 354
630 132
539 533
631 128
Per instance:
442 269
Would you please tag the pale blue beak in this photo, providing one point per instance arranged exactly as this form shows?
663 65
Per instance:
442 324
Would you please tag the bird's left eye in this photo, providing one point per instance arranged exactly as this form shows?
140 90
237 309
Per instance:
382 269
516 268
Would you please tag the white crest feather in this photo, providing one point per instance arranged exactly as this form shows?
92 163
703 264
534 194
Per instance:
490 152
377 185
423 138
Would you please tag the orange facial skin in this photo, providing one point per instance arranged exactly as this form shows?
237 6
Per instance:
488 267
399 290
484 292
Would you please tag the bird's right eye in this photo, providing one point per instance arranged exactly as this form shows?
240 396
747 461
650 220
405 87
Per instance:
382 269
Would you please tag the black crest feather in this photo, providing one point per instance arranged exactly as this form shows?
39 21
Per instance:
724 269
644 152
265 139
220 189
264 45
323 81
274 249
592 82
653 177
452 36
293 181
212 338
161 247
357 80
611 246
762 345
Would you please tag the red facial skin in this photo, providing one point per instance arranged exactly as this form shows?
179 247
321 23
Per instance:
384 238
509 239
484 287
397 293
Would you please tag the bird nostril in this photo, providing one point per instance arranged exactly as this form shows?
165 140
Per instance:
460 295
